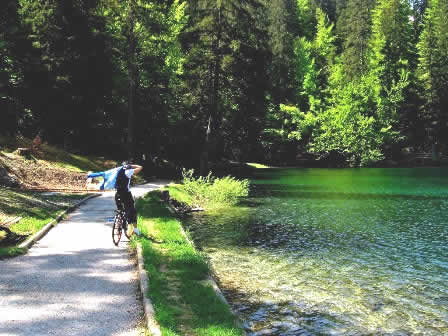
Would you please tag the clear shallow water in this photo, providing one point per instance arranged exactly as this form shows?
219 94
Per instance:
335 252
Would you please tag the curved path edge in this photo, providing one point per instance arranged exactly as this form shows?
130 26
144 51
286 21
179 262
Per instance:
42 232
151 322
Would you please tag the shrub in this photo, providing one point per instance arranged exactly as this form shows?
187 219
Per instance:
212 191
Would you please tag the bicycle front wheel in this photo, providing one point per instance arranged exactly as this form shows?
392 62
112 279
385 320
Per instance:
116 229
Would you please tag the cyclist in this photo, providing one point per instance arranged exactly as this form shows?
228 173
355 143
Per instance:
123 195
120 178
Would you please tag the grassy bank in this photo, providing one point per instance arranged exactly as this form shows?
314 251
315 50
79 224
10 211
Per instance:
185 304
35 209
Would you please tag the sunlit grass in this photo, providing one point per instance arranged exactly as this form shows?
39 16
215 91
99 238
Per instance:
74 162
179 194
184 266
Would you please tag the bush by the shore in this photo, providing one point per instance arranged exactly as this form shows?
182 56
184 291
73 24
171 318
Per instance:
209 191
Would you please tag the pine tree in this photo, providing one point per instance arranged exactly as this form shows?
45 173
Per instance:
329 7
148 59
12 45
418 13
282 28
433 68
218 29
324 49
68 52
392 50
306 18
391 41
313 60
354 28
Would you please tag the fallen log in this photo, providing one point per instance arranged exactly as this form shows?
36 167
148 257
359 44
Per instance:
10 222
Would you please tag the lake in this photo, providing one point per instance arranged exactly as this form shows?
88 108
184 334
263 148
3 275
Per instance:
334 252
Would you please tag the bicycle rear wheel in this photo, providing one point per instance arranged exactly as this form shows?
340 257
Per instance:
116 229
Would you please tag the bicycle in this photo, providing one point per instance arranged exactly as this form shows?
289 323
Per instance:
121 224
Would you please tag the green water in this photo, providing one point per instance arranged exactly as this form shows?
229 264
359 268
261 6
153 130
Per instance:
335 252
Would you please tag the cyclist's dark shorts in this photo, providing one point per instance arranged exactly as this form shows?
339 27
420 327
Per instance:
125 201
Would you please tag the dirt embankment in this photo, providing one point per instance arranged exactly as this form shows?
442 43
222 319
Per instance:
28 166
33 173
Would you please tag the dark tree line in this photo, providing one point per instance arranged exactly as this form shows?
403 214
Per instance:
201 80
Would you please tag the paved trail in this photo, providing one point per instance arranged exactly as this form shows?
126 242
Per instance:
74 281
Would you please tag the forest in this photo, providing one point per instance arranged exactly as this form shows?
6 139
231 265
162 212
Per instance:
287 82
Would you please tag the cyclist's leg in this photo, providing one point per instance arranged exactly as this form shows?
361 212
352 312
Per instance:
129 205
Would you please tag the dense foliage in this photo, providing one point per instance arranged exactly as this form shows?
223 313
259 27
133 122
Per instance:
353 82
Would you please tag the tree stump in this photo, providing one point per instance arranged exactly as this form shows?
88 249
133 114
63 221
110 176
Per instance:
165 196
24 152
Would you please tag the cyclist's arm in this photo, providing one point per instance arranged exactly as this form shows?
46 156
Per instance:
137 168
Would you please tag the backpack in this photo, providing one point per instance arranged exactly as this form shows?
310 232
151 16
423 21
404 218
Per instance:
122 180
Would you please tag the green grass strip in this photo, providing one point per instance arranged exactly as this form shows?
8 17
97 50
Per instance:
184 268
36 209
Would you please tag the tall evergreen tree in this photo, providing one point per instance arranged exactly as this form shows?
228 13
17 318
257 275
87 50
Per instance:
306 18
283 28
354 28
68 52
392 52
433 68
313 59
144 36
391 41
418 13
217 29
324 50
362 107
329 7
13 44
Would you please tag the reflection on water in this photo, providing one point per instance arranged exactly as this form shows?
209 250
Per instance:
335 252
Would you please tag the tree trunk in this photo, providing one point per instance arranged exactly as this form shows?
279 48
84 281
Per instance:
204 169
132 73
214 120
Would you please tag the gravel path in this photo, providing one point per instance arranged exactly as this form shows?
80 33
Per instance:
74 281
